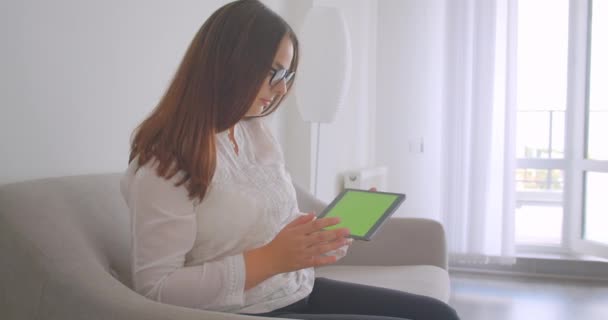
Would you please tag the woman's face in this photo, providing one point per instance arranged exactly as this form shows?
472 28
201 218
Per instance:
268 93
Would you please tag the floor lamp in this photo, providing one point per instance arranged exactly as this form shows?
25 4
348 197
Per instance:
324 71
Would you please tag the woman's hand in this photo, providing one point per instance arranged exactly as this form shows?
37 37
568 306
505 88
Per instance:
300 244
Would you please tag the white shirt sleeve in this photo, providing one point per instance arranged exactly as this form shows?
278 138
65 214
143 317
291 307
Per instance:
163 231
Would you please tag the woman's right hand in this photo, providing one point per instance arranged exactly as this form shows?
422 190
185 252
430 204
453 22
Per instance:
300 244
303 243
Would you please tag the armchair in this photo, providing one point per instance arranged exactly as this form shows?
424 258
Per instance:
65 254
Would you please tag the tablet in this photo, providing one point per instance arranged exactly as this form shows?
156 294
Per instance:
361 211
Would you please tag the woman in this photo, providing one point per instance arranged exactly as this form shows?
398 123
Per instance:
215 223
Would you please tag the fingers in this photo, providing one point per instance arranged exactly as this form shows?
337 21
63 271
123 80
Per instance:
323 258
305 218
317 254
326 247
313 232
303 242
318 224
329 235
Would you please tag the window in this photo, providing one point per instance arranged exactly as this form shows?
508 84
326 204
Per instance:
562 125
589 178
542 79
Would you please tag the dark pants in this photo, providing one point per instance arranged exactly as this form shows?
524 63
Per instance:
338 300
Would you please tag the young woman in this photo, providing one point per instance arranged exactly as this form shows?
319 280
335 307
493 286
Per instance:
215 222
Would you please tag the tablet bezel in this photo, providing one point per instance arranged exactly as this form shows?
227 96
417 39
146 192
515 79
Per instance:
389 211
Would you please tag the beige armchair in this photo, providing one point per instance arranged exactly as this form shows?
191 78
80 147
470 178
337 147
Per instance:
64 244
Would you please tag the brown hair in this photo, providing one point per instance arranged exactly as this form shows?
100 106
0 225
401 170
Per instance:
217 81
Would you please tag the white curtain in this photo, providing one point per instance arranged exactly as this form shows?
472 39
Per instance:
478 198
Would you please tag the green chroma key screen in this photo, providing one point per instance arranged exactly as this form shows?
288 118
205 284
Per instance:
362 211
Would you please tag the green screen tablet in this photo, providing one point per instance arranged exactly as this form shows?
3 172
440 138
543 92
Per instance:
363 212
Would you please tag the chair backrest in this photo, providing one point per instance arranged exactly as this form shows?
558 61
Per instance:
77 221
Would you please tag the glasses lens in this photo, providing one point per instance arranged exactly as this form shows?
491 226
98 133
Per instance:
289 76
278 76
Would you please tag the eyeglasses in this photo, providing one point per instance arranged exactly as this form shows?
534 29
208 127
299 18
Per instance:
279 74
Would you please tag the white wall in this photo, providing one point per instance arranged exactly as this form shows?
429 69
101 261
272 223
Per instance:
410 100
79 75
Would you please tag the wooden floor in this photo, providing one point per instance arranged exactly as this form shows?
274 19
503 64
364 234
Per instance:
498 297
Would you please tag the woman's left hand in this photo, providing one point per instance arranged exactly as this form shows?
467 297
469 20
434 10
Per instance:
340 252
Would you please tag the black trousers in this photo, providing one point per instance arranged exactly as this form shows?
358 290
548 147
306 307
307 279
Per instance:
338 300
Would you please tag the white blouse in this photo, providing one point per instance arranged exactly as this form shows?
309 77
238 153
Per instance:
191 254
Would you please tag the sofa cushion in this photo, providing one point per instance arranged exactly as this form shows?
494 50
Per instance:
424 280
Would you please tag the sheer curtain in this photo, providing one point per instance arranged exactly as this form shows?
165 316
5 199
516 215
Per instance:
478 198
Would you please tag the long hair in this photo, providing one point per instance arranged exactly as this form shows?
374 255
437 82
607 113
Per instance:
216 83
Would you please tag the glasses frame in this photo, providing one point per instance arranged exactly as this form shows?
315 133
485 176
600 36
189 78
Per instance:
280 74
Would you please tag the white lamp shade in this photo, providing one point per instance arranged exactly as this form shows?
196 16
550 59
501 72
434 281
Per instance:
324 70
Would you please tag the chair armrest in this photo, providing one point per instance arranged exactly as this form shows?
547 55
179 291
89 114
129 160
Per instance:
80 296
36 285
401 241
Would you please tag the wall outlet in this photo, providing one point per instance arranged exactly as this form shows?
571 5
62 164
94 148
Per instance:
415 145
366 179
